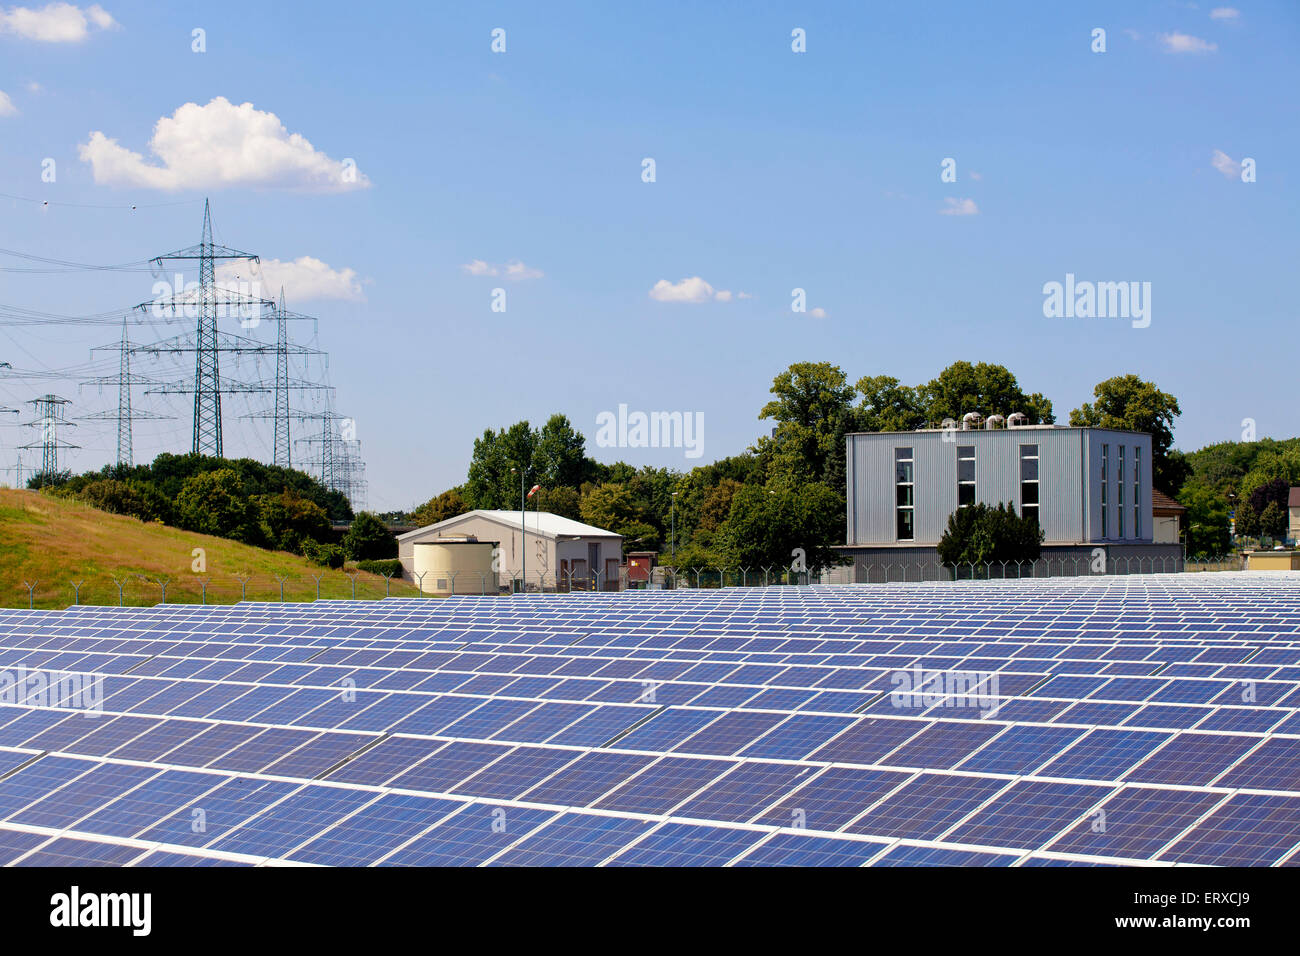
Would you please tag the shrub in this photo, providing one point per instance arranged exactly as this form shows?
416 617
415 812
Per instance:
369 538
389 566
326 555
979 534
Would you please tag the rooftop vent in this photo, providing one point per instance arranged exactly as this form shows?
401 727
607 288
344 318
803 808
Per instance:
971 420
1017 420
995 421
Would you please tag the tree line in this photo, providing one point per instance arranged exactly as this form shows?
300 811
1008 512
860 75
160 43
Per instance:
787 491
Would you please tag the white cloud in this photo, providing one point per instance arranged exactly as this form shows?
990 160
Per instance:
1224 13
305 278
1185 43
514 269
7 107
217 145
818 313
1225 164
959 207
55 22
692 290
517 270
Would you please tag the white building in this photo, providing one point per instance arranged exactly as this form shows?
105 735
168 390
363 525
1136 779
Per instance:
559 550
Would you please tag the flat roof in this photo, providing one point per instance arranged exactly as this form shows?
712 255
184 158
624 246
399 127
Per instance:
1014 428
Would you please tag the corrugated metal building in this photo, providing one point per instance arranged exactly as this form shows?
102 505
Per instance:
1088 487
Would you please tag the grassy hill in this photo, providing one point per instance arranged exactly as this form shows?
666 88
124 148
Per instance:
52 542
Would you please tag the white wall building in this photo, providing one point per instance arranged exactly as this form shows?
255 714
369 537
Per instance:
558 549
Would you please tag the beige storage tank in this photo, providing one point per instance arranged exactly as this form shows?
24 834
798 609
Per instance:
463 563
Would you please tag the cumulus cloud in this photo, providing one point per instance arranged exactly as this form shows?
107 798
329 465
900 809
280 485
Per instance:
304 279
55 22
218 145
7 107
691 290
818 313
1224 13
959 207
1225 164
517 270
1186 43
514 269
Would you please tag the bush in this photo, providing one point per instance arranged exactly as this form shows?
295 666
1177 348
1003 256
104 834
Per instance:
215 502
391 566
979 534
326 555
369 538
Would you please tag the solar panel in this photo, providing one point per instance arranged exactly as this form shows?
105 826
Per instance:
1146 719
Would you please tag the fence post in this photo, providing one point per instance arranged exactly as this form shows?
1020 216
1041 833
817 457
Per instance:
388 584
419 580
243 586
162 582
31 591
203 586
282 580
318 577
76 591
121 583
353 576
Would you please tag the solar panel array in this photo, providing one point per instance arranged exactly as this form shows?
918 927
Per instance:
1147 720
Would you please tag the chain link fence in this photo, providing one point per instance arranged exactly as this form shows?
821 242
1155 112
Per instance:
140 590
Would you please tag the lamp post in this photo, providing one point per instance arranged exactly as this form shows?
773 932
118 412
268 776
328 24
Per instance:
523 536
673 534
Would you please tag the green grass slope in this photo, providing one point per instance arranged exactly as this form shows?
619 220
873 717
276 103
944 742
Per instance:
51 542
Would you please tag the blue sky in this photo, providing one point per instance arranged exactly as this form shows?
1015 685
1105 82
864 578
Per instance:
775 170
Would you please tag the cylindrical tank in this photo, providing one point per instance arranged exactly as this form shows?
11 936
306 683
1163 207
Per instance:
465 566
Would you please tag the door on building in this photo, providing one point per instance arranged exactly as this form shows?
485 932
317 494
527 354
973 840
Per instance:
593 561
611 574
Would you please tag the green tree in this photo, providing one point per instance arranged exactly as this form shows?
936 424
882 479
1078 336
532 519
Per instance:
767 523
217 503
449 504
563 501
979 534
369 538
984 388
1206 521
559 454
887 406
813 409
491 484
290 519
1127 401
1273 520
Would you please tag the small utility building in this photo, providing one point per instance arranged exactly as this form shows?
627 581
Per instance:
1087 487
559 550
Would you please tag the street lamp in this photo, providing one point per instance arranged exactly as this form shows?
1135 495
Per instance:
523 535
673 538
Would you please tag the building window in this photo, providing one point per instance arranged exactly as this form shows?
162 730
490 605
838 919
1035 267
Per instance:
965 476
1105 474
1119 492
1137 492
1029 481
905 506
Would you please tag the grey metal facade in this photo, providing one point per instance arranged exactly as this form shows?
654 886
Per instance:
1069 482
